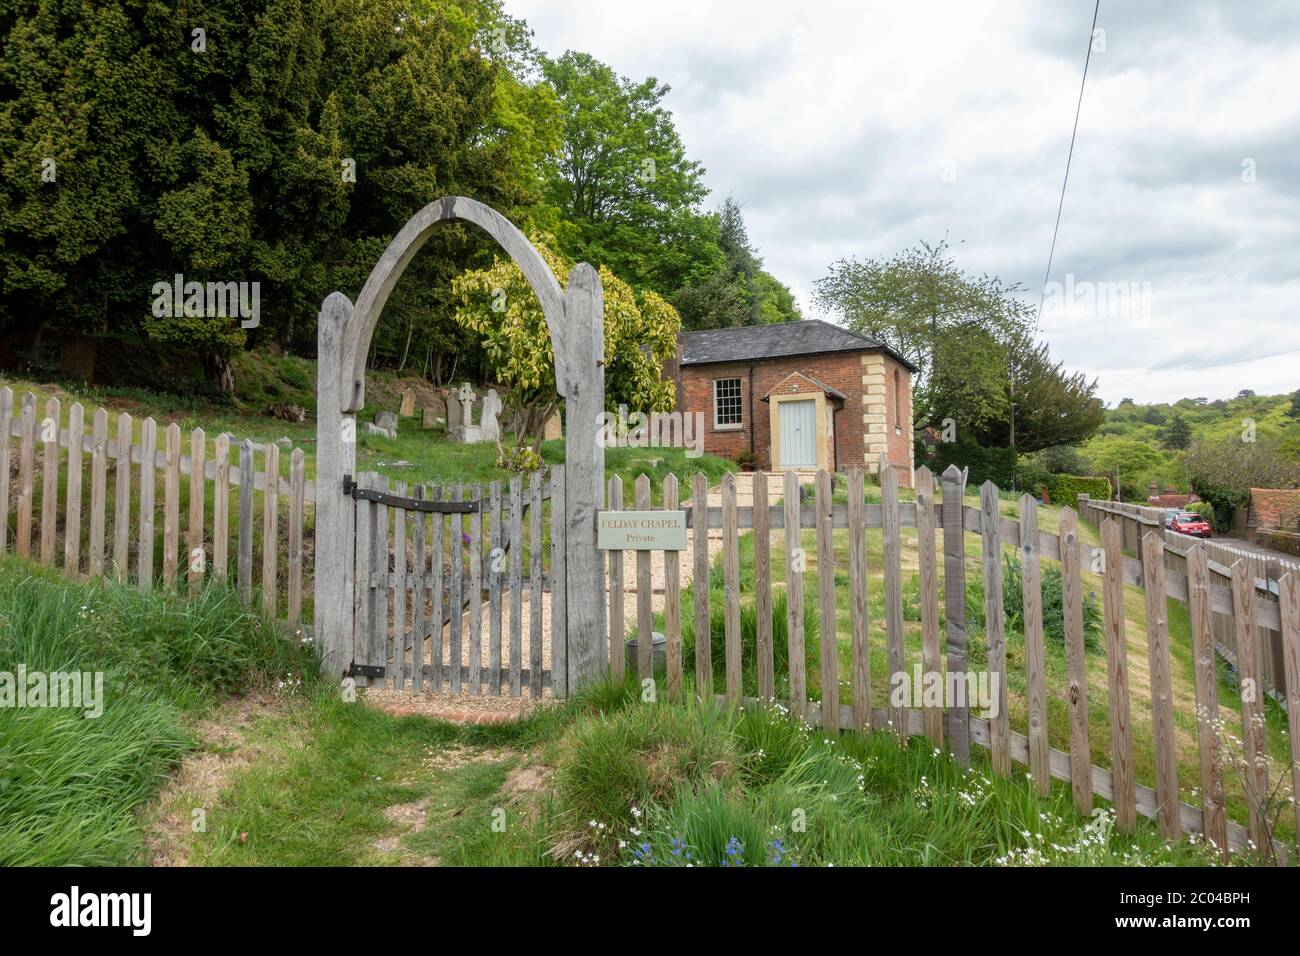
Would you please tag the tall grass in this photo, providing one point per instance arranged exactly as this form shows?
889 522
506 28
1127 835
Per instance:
70 785
690 784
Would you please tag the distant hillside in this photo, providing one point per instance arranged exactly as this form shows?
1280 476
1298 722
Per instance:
1165 429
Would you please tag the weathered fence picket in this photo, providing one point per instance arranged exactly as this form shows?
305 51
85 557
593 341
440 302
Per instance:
673 606
536 547
889 522
1162 703
617 619
194 532
148 486
794 567
858 609
1121 745
1076 696
98 492
830 652
1035 666
703 624
1255 776
931 659
994 623
495 571
1289 598
1207 698
122 501
49 480
644 639
171 504
954 589
26 466
6 425
731 588
72 509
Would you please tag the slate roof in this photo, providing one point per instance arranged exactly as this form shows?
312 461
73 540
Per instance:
755 342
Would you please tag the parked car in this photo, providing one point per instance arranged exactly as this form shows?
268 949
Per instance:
1189 522
1171 514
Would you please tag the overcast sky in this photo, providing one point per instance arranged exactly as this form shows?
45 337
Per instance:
859 128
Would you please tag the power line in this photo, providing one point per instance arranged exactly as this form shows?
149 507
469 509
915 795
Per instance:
1240 361
1073 134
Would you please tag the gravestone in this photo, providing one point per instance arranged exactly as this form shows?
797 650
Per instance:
466 432
453 412
407 408
387 421
489 423
553 430
428 418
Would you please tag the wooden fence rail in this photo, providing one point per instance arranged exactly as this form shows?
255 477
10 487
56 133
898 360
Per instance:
70 458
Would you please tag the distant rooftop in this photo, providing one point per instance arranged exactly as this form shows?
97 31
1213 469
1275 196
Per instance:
753 342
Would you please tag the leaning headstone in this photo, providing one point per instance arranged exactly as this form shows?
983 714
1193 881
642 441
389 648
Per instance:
386 421
407 407
489 423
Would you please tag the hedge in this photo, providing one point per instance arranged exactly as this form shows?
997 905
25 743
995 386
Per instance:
1065 489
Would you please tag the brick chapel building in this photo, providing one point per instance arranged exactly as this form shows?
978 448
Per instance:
802 395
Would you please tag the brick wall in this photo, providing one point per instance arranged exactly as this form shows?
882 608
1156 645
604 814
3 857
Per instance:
864 425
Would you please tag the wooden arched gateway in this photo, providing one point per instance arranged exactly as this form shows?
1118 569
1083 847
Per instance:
575 319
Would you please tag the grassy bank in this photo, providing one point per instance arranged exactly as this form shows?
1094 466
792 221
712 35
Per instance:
610 780
71 785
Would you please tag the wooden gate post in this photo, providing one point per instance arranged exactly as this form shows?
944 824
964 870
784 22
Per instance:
583 364
336 456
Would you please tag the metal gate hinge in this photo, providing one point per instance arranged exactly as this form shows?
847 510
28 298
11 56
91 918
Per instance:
365 670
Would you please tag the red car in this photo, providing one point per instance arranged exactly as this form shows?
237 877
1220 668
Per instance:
1189 522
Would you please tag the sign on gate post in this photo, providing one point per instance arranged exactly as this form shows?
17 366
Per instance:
641 530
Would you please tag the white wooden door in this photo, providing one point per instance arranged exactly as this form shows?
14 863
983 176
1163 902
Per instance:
798 434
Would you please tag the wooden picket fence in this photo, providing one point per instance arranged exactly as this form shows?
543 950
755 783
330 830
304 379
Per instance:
72 456
1265 573
410 597
956 727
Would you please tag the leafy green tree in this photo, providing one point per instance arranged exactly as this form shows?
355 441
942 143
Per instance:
741 293
641 329
1294 410
1177 434
1126 461
622 182
969 337
286 145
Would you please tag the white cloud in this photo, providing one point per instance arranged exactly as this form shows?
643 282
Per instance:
833 123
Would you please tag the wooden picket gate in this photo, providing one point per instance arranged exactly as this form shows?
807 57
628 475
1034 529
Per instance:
436 568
